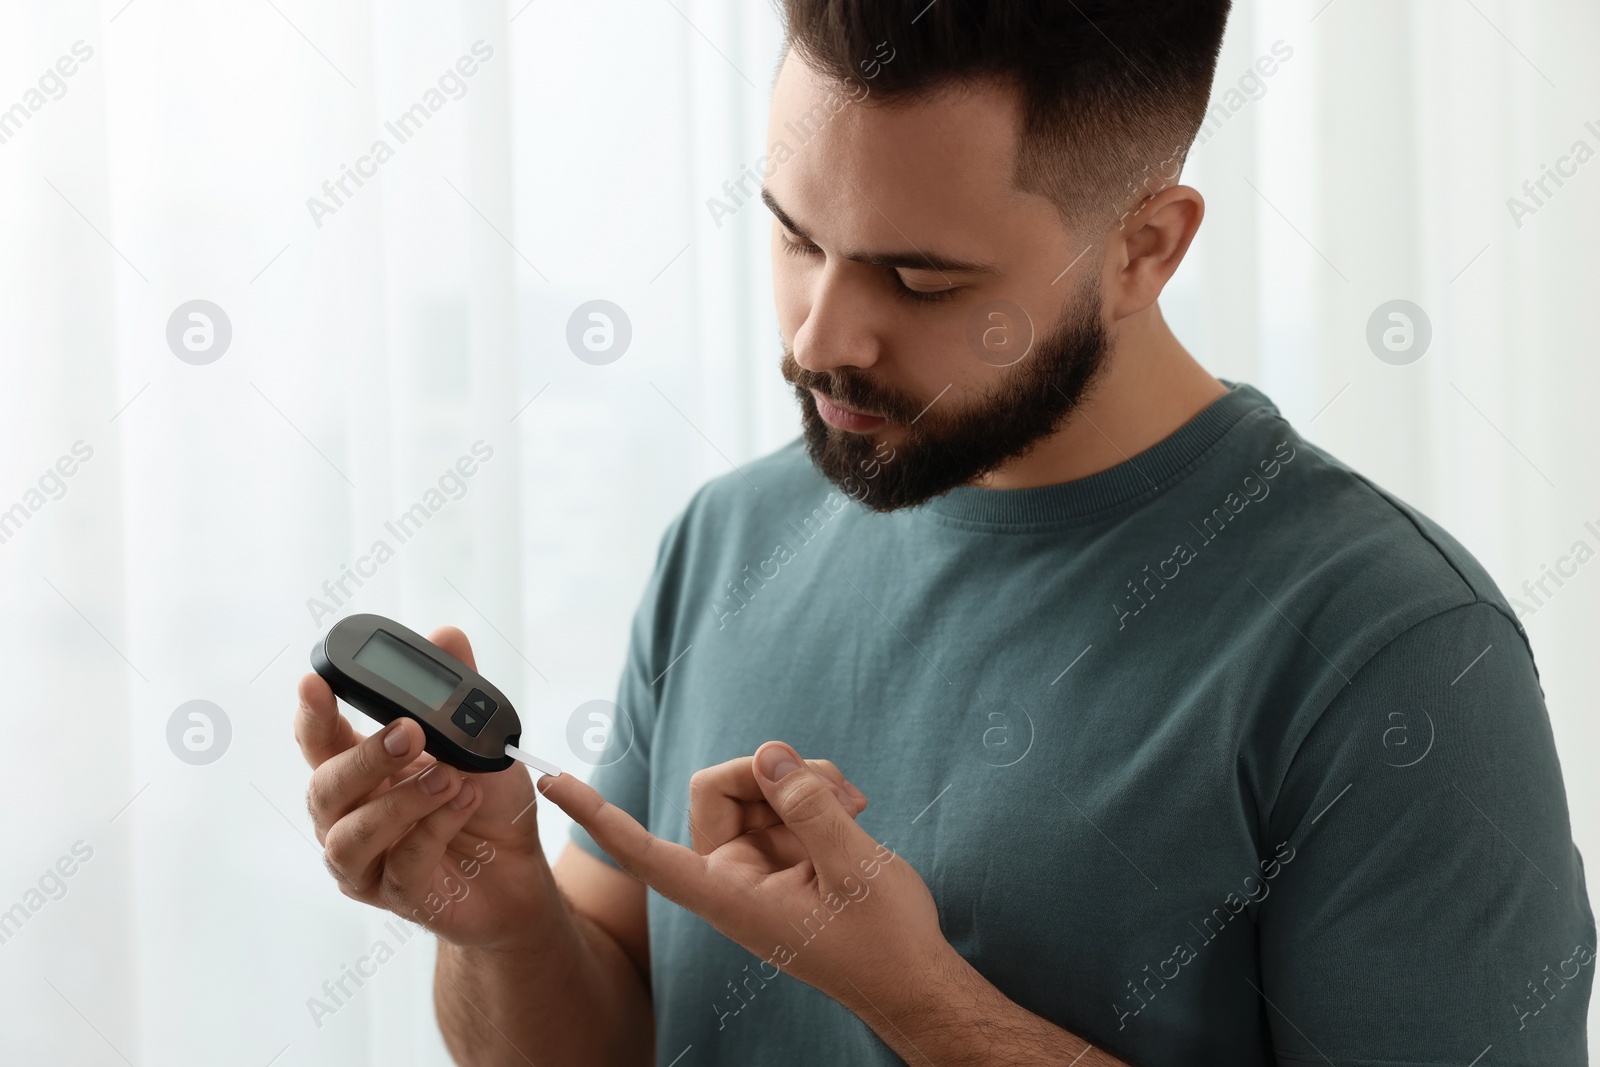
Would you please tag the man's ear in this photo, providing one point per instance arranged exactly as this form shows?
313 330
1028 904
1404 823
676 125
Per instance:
1145 249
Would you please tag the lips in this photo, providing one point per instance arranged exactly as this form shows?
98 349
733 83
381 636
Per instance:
844 418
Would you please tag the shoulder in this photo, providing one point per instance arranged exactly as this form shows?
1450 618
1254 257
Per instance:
1377 525
1357 563
1368 624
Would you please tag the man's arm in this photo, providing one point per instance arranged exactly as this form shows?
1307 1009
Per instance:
574 991
1435 911
954 1017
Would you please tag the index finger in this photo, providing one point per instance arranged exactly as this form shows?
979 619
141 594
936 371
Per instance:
677 873
319 728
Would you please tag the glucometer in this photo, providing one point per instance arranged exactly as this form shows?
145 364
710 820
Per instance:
387 671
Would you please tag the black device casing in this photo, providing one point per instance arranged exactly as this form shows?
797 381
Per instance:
334 659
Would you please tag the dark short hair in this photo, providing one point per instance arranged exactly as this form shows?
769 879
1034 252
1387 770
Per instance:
1107 88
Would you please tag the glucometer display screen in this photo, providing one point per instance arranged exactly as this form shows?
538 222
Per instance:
395 661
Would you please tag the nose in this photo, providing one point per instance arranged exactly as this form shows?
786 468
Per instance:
839 328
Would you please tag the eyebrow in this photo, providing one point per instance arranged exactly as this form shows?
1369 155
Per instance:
913 260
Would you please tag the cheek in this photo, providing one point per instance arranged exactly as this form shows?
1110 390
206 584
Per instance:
935 353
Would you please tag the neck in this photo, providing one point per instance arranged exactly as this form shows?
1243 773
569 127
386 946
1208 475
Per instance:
1150 387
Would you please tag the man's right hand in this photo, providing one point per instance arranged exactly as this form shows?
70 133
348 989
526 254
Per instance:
458 853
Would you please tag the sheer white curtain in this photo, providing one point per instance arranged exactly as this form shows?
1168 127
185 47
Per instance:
172 519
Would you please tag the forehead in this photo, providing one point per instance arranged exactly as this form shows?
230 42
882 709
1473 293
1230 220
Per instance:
937 168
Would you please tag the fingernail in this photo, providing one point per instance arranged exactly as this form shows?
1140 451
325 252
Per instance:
845 799
433 780
395 742
776 763
463 798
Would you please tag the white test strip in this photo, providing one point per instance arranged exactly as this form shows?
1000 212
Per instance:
533 761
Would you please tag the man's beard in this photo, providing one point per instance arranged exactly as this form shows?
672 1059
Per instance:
946 446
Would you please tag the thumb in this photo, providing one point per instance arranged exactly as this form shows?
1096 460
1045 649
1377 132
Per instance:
809 806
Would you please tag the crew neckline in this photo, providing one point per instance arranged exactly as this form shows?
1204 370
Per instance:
1151 469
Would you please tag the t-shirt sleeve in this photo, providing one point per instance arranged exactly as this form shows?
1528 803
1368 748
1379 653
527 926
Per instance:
615 741
1434 909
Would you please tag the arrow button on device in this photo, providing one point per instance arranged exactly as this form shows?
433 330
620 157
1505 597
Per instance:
474 712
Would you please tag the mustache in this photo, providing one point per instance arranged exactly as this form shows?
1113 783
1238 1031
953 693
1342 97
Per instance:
850 388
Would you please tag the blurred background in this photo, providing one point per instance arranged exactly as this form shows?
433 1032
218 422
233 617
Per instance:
224 374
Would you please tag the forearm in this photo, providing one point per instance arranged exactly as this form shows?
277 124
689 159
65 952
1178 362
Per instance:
569 996
951 1016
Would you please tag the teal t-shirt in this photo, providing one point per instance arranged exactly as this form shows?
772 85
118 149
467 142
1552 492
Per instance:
1220 756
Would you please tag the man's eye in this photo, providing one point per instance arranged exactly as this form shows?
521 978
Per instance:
794 247
799 248
926 296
